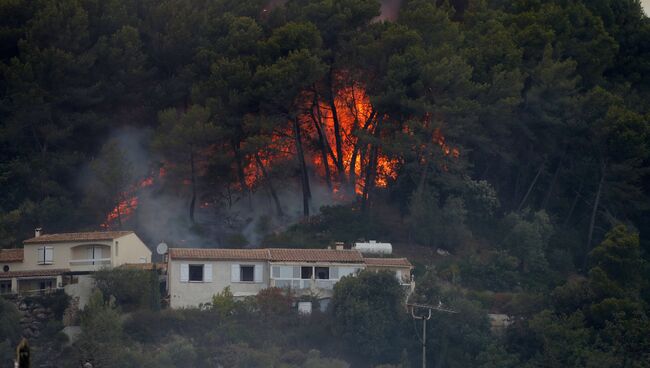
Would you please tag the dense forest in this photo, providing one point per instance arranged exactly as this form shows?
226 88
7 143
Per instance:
513 134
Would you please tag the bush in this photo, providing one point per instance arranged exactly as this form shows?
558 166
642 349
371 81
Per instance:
224 303
274 302
132 289
368 315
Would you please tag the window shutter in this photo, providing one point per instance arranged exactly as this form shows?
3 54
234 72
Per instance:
185 272
258 273
234 273
41 255
49 254
91 253
207 272
98 252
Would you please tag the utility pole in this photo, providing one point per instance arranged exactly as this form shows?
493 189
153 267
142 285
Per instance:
425 317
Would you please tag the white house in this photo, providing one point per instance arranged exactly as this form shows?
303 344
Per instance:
196 274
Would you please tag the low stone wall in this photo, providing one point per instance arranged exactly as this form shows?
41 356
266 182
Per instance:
34 316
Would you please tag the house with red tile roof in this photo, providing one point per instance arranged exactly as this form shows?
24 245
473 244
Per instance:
46 259
194 275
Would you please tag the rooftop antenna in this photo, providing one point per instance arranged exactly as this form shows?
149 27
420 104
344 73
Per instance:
425 316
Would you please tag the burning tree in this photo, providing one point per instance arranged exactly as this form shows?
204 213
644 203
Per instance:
113 175
184 139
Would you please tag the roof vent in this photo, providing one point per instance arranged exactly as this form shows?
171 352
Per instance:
37 232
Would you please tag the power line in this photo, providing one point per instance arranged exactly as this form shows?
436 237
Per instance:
413 307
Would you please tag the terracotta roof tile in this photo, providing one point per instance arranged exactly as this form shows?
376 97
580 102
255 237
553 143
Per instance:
77 237
272 254
33 273
219 253
315 255
11 255
388 262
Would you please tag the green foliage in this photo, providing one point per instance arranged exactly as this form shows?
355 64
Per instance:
273 302
131 288
619 257
435 224
101 331
517 130
224 303
368 314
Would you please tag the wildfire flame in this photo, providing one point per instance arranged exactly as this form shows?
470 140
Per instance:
356 119
125 208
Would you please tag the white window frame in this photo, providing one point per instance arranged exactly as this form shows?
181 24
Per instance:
45 255
235 273
202 276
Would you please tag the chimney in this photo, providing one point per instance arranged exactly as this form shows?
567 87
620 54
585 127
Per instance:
37 232
339 245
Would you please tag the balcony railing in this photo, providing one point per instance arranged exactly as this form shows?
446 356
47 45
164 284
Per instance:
90 262
326 284
304 284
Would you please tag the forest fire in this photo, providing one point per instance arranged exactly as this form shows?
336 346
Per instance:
125 208
340 133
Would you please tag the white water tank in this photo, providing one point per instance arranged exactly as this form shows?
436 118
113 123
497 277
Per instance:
373 247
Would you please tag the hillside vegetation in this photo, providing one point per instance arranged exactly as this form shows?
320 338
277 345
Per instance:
513 134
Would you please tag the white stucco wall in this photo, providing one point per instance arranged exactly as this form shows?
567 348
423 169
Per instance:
191 294
130 249
62 254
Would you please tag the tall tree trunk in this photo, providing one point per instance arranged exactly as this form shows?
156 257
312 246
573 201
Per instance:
551 187
574 203
306 192
322 141
355 152
193 179
531 186
594 211
371 171
337 128
269 185
240 171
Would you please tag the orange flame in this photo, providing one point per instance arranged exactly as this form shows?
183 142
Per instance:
125 208
356 119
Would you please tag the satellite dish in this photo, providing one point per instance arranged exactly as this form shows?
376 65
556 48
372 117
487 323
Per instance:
162 248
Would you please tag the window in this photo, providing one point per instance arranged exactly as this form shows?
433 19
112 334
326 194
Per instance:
306 272
246 273
323 273
286 272
45 255
196 273
5 286
117 249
